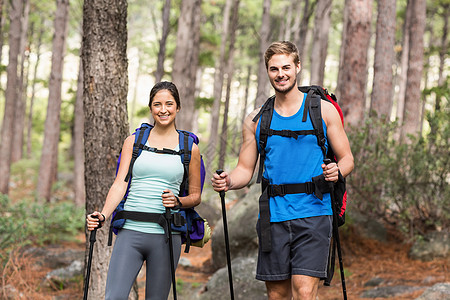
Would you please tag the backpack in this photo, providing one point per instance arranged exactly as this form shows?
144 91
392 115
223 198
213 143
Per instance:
194 229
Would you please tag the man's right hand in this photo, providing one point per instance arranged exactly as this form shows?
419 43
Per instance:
221 182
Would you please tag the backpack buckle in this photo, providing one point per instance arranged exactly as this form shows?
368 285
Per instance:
277 190
310 188
178 220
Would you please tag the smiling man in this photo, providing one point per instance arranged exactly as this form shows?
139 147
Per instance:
297 224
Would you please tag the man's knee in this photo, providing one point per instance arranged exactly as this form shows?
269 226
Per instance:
278 290
305 287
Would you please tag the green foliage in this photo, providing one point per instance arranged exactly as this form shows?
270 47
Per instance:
27 222
403 183
205 102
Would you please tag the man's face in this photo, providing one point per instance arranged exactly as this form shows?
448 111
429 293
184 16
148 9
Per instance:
282 72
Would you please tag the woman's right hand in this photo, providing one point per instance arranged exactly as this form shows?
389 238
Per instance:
94 220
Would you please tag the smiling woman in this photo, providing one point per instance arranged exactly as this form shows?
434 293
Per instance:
156 181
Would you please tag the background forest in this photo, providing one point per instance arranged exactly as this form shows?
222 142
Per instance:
75 79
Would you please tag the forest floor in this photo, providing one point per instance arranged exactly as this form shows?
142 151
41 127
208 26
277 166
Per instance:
364 260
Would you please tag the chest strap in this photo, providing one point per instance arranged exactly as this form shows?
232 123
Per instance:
318 186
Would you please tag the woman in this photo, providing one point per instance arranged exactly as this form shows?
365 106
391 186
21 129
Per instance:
156 180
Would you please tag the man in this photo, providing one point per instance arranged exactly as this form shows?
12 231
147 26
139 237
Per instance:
300 223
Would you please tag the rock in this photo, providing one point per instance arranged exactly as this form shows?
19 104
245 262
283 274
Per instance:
53 257
245 285
58 278
389 291
184 262
241 219
439 291
376 281
433 245
368 227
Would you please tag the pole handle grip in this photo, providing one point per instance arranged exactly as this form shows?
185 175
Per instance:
327 161
218 172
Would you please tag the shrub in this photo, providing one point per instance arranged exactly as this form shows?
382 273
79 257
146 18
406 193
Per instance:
27 222
402 183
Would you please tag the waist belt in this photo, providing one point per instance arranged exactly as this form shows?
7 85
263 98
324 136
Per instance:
317 186
176 218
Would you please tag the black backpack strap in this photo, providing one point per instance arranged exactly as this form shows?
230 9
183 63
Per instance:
264 218
316 119
138 144
150 217
265 113
186 159
306 106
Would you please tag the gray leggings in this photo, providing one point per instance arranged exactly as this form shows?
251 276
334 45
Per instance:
130 251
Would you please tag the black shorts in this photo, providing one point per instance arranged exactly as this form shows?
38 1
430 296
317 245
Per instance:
299 247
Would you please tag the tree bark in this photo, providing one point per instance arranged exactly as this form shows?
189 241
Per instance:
352 77
162 43
20 110
10 95
217 89
33 89
105 85
49 157
186 59
320 41
443 53
2 23
382 91
301 39
411 113
78 142
403 66
229 71
262 91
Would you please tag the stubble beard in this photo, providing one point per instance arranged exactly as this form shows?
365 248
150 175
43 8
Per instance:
285 91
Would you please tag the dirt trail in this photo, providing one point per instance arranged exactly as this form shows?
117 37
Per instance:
363 260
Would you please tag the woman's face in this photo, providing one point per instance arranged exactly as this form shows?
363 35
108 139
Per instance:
164 108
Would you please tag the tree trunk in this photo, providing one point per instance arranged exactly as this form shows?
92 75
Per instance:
33 90
78 143
49 157
262 91
403 65
320 41
352 78
217 91
301 39
20 109
442 55
162 43
411 114
2 24
382 90
105 85
186 59
135 91
230 69
10 95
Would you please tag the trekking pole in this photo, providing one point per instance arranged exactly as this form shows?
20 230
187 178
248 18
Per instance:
227 241
92 240
168 217
336 234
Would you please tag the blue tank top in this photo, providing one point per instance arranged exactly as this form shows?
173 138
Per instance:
290 160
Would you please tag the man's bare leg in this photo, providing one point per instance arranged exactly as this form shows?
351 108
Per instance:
279 290
304 287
